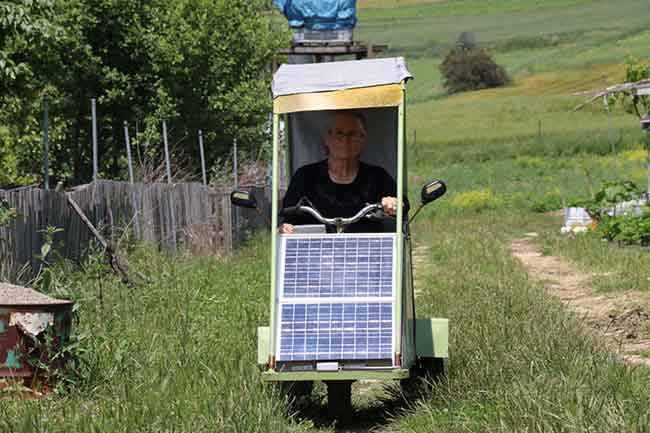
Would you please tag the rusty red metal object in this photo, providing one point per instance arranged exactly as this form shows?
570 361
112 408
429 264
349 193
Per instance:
27 316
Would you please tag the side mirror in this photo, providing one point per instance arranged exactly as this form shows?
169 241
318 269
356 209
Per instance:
433 190
243 199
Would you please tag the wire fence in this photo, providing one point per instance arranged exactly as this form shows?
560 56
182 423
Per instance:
188 216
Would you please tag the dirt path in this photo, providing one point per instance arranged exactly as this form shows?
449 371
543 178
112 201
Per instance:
623 319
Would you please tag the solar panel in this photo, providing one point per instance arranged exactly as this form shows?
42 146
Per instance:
336 297
338 267
335 331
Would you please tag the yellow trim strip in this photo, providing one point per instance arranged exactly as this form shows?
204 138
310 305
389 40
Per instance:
390 95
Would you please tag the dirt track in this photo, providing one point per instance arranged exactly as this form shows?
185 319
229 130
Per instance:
623 319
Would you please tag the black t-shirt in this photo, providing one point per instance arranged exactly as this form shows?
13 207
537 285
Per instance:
339 200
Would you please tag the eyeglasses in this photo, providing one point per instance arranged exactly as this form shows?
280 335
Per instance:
355 137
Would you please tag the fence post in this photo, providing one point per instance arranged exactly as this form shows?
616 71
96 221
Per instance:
236 186
46 142
167 164
134 198
205 178
93 107
172 212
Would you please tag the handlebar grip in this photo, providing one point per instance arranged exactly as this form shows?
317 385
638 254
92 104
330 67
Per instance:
291 211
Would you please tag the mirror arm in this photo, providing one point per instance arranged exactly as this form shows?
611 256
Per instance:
415 213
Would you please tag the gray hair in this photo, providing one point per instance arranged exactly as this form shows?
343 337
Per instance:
354 113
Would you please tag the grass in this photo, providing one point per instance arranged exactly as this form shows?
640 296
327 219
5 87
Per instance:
174 355
178 354
519 363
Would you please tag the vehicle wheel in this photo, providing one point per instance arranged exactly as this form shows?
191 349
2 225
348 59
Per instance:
411 388
339 398
293 391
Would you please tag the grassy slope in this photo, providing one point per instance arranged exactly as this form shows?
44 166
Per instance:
178 354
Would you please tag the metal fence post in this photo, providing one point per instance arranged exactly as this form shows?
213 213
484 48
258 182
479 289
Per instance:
167 164
205 178
172 210
236 186
134 198
46 142
93 107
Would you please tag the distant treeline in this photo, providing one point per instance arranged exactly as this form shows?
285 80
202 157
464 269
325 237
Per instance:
199 64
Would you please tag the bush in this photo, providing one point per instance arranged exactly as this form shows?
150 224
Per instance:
627 229
476 201
466 69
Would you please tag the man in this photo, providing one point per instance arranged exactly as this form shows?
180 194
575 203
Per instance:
341 185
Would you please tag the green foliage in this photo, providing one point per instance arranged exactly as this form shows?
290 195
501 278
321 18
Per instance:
611 193
7 213
44 277
550 201
628 229
466 69
25 26
197 64
635 70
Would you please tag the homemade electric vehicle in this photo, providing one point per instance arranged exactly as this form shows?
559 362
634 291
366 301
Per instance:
342 304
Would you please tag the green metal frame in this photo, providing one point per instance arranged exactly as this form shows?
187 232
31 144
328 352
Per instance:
399 235
392 374
274 233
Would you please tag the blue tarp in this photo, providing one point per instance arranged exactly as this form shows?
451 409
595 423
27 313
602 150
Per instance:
319 14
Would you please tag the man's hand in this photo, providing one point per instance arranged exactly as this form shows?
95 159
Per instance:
286 229
390 205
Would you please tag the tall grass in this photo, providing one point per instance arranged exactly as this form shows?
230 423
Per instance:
519 362
177 354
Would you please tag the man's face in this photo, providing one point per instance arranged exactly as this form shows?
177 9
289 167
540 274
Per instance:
346 137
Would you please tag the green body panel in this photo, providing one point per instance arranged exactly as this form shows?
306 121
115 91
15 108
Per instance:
432 338
263 335
398 373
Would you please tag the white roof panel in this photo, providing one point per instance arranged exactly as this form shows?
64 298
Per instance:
331 76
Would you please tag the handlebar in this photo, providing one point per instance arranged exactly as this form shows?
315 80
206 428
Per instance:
338 222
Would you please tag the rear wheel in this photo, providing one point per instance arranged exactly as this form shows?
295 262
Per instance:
339 398
294 391
433 369
427 372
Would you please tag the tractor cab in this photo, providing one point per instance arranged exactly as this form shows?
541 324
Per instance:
342 303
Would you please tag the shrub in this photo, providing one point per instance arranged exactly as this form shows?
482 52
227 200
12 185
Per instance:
610 194
7 213
476 201
466 69
628 229
550 201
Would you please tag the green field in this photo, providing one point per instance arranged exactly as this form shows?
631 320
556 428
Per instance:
177 354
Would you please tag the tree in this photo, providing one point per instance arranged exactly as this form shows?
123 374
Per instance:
467 67
635 70
197 64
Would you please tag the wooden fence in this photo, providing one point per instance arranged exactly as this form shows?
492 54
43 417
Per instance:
186 215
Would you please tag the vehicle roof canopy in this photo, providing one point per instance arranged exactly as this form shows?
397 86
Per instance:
339 85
